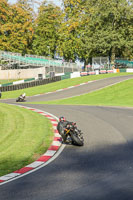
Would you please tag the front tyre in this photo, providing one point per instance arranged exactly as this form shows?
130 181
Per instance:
79 141
17 100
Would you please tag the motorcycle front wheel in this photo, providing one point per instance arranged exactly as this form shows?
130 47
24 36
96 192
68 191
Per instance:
17 100
76 140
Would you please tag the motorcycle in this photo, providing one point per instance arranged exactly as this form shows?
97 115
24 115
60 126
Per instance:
21 98
70 132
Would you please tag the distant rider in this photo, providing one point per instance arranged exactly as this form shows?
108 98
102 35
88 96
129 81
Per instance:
23 96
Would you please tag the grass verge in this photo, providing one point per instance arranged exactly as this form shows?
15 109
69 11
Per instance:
57 85
120 94
24 136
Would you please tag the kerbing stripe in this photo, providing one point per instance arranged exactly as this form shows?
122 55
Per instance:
23 170
44 158
9 176
54 148
4 178
59 90
55 127
49 153
36 95
13 174
54 124
56 131
71 87
56 143
35 164
57 139
49 116
57 135
53 120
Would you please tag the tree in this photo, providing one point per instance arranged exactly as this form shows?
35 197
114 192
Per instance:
5 14
111 27
16 30
97 28
46 29
22 27
69 30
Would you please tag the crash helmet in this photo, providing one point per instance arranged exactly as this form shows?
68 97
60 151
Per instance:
62 119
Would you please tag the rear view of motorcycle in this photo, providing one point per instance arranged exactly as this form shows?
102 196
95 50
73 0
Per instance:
70 132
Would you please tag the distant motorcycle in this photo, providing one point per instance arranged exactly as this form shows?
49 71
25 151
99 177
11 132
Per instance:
69 131
21 98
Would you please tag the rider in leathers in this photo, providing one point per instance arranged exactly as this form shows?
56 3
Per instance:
61 127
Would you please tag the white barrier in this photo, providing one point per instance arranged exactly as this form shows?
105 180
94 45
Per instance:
97 72
75 75
21 73
59 74
18 82
115 70
129 70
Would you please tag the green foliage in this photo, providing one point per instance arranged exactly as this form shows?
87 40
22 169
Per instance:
46 29
68 43
98 28
111 35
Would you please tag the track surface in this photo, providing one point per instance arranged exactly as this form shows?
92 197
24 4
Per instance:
101 170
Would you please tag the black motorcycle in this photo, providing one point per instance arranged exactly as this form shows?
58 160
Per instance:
70 132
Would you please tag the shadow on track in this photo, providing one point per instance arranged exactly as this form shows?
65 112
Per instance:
106 173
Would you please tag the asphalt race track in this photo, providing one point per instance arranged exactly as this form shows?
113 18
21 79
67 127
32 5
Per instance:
100 170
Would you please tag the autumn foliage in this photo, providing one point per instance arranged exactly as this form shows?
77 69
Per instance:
16 28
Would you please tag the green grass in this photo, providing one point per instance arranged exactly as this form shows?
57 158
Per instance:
120 94
57 85
24 136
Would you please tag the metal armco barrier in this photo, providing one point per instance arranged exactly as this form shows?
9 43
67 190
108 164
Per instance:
30 84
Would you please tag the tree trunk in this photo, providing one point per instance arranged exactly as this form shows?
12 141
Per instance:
112 55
